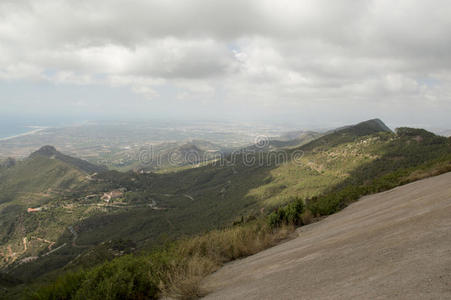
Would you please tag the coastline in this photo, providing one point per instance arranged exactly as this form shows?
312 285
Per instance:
34 131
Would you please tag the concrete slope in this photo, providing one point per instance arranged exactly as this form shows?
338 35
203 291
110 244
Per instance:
395 245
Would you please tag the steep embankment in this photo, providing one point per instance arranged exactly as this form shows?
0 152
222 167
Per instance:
395 244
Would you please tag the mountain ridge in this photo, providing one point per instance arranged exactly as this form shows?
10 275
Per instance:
51 153
348 134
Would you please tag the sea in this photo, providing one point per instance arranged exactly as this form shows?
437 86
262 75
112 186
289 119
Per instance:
7 131
13 125
10 126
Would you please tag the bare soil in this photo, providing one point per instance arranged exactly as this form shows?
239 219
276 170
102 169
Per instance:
391 245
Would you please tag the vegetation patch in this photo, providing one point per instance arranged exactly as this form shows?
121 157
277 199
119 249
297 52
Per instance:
175 270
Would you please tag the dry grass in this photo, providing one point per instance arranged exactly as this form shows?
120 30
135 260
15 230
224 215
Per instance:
435 170
204 254
183 280
307 217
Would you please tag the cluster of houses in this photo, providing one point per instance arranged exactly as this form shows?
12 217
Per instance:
107 197
114 194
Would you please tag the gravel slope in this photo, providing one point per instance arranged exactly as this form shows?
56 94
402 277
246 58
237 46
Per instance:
395 244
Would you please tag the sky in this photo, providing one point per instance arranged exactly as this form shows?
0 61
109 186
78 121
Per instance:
308 62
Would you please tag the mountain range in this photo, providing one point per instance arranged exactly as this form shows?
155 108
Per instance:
58 212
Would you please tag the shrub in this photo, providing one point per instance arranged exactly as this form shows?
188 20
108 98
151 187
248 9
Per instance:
63 288
287 215
127 277
307 217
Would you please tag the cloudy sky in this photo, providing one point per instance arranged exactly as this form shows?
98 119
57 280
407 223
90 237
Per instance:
308 62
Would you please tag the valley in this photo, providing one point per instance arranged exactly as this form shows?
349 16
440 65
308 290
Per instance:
59 213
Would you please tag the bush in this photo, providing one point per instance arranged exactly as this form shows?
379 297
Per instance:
63 288
287 215
307 217
127 277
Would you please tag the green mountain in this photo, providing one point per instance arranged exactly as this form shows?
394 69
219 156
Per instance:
44 173
41 181
82 165
349 133
150 208
365 127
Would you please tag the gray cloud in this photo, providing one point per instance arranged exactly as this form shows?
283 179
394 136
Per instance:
274 54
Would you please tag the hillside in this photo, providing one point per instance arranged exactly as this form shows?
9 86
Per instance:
39 182
153 207
42 174
220 193
51 153
177 270
389 245
349 133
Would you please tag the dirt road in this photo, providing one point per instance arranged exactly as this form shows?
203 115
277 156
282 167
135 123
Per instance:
392 245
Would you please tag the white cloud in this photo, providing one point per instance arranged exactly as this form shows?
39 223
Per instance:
275 53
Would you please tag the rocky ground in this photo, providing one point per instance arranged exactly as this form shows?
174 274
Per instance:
396 244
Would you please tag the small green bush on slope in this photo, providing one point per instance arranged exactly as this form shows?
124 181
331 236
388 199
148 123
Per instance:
290 214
